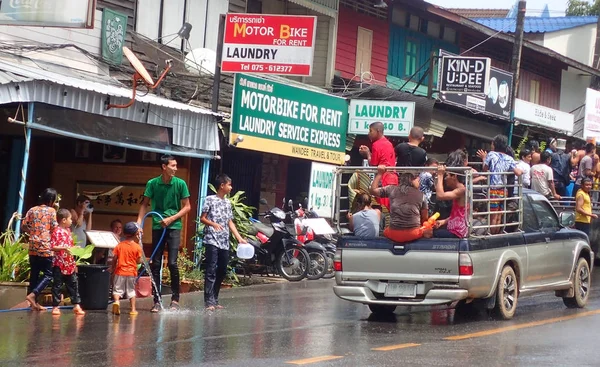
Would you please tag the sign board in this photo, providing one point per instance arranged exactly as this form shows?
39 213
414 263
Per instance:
114 27
496 100
397 117
269 44
544 116
320 192
460 74
591 121
102 239
283 119
48 13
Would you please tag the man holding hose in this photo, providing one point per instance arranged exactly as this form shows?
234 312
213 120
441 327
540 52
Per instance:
169 196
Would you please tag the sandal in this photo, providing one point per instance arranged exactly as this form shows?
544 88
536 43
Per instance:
155 308
133 313
174 306
116 308
79 312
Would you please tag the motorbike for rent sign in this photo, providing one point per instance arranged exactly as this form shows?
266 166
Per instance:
461 74
320 193
278 118
269 44
397 117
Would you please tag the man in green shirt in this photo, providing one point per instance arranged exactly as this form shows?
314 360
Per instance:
169 196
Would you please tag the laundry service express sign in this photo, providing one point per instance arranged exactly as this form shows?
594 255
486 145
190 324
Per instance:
468 75
397 117
269 44
282 119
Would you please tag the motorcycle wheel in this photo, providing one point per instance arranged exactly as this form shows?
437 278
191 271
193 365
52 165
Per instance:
319 264
330 271
296 268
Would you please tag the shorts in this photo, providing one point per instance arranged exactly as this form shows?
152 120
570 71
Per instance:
403 235
497 205
124 286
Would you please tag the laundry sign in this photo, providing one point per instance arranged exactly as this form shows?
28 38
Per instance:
269 44
468 75
320 192
397 117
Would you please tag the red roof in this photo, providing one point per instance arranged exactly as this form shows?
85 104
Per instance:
481 13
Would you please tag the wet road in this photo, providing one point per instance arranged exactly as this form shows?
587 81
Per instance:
303 324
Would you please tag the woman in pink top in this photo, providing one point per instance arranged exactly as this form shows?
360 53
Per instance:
456 223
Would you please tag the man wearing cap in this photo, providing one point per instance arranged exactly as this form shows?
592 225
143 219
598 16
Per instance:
169 196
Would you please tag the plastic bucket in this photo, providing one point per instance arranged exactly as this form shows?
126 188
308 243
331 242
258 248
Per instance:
245 251
94 283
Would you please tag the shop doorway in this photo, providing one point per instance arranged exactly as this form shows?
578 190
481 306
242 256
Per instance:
298 181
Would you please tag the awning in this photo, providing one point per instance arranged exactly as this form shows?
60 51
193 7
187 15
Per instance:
466 125
194 129
330 10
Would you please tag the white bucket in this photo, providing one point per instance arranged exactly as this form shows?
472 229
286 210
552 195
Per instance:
245 251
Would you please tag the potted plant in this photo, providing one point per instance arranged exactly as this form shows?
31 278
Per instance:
191 277
14 269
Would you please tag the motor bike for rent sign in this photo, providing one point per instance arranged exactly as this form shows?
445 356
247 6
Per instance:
279 118
269 44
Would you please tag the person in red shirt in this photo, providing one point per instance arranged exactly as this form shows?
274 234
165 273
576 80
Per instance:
127 256
64 263
381 154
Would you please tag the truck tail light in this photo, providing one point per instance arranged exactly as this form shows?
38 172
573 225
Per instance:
465 265
337 260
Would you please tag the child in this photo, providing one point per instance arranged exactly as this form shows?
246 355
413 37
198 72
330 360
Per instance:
127 256
217 216
365 222
64 265
426 183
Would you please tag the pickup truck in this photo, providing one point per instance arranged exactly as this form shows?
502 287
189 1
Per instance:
543 254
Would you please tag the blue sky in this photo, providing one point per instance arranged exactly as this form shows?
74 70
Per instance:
534 7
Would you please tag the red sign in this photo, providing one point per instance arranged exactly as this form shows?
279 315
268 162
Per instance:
269 44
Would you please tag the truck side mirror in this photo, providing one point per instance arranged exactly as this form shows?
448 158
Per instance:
567 219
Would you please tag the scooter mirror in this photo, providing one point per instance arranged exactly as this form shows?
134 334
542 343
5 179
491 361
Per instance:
290 203
263 201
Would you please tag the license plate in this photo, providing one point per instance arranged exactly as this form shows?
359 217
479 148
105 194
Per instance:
401 290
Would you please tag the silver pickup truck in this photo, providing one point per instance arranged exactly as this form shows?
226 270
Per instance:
543 254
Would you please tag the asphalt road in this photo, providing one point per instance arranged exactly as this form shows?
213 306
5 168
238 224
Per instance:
303 324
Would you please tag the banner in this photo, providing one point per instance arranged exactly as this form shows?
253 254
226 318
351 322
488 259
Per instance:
48 13
496 100
469 75
397 117
278 118
114 27
269 44
321 190
591 121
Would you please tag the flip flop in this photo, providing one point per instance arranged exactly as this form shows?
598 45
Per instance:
116 308
133 313
155 308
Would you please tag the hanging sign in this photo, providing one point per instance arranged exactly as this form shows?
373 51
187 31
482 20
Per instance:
269 44
114 27
397 117
469 75
320 192
279 118
543 116
591 121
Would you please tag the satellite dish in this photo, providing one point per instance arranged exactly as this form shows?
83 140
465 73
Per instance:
137 65
201 60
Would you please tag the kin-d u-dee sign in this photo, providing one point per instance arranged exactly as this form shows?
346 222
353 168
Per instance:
397 117
467 75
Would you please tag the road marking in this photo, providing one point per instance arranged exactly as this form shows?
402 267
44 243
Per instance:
397 346
314 360
521 326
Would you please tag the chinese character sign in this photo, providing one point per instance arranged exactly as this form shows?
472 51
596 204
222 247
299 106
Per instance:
125 200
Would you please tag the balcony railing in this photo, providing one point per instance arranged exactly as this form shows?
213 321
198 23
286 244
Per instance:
331 4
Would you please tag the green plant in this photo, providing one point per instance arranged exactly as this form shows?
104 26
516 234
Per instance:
14 258
188 269
81 255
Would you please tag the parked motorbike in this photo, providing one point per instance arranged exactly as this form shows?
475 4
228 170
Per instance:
308 235
319 261
276 249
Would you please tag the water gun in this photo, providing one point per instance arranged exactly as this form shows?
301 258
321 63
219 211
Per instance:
429 223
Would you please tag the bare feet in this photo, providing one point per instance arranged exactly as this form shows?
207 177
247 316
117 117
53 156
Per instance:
78 311
55 311
219 307
210 308
33 303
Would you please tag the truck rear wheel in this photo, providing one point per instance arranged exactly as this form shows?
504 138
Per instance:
507 294
581 286
382 309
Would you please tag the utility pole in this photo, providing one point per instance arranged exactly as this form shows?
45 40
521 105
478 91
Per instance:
515 63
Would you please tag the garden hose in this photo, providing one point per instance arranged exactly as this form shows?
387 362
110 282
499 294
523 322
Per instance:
162 236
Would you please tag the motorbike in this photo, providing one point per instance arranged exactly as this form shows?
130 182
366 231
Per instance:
276 250
307 234
319 260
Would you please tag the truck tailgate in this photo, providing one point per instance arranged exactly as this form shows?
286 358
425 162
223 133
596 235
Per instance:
425 260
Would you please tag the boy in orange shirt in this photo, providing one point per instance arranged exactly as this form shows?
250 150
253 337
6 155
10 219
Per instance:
127 256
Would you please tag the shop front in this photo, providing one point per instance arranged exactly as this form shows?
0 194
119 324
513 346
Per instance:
62 135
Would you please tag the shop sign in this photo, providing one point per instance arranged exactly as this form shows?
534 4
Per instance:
269 44
543 116
469 75
278 118
591 121
320 192
48 13
114 27
397 117
494 102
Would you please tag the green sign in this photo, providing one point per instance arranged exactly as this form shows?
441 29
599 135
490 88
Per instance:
114 28
397 117
278 118
320 192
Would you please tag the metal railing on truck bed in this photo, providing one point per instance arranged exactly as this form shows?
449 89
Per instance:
351 181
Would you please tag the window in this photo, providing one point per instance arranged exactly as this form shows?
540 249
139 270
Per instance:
534 91
411 55
530 223
545 215
364 47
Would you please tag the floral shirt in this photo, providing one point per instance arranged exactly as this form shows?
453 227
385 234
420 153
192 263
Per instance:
39 223
61 237
219 211
499 162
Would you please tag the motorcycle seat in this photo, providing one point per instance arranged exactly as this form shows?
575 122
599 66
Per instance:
264 229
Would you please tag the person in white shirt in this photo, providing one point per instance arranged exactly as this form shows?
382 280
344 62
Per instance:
524 165
542 177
